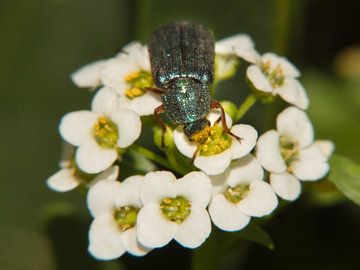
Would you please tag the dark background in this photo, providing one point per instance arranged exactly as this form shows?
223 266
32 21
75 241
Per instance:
43 42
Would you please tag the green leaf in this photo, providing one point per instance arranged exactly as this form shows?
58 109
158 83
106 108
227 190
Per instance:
253 233
345 174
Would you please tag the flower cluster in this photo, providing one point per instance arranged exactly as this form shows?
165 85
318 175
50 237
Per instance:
226 178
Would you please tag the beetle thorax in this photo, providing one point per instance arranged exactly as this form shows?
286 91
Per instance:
186 100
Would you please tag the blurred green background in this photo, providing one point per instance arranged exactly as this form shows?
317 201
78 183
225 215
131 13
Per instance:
43 42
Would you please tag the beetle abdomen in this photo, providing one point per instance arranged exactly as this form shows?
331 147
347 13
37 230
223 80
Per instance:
182 50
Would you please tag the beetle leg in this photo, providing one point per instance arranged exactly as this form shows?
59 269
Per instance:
217 105
154 90
194 155
159 110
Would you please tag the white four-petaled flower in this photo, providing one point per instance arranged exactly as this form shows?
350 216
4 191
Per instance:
275 75
290 153
128 74
239 194
99 133
174 209
115 208
214 156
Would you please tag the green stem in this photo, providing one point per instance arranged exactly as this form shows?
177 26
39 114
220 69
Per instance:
282 25
245 106
158 159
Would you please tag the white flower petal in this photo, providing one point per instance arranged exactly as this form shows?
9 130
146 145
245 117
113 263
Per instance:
311 165
105 241
288 68
215 116
248 136
194 230
109 174
240 45
185 147
326 147
129 193
137 53
268 152
131 244
285 185
294 124
157 186
142 105
249 55
214 164
258 79
195 187
114 72
219 182
89 75
105 102
227 215
244 171
293 92
153 229
76 127
260 200
92 158
229 44
129 126
101 197
63 180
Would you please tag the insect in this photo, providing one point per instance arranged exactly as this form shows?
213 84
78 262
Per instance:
182 66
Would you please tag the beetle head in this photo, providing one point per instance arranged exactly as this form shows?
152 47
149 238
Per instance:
198 131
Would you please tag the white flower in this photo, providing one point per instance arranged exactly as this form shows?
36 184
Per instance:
129 73
89 75
240 45
277 76
239 194
215 155
100 132
229 50
115 208
326 147
69 177
290 153
174 209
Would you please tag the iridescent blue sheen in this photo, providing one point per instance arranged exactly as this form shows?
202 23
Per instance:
186 101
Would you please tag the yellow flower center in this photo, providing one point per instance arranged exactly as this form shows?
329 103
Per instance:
217 142
176 209
236 194
275 76
125 217
137 82
289 150
106 132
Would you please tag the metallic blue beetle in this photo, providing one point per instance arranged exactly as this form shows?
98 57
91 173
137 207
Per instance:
182 66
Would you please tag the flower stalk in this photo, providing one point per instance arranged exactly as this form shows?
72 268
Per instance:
245 106
158 159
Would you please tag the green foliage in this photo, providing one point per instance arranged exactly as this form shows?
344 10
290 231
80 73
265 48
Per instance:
253 233
219 244
345 174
